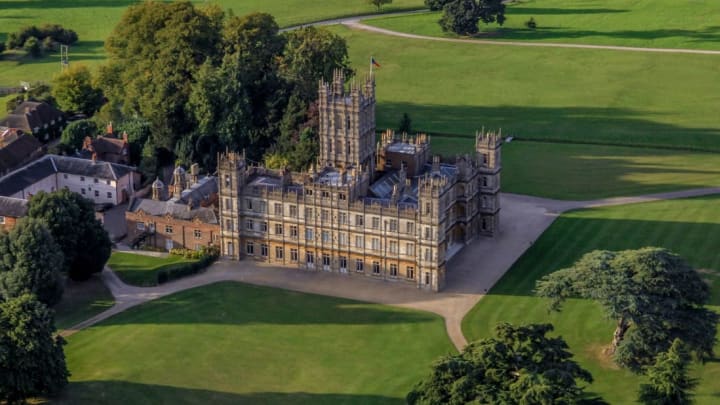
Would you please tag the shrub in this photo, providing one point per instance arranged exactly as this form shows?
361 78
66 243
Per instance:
205 257
531 24
33 47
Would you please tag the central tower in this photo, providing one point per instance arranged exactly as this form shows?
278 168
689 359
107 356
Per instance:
347 123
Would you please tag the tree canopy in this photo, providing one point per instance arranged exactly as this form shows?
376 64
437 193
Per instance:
74 91
669 382
74 134
462 16
653 295
520 365
30 262
71 220
32 362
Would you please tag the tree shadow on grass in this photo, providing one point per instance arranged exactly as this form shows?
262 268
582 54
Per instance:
561 11
122 392
457 125
235 303
708 34
51 4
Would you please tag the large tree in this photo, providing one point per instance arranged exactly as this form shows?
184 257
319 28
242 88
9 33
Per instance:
30 262
71 220
153 54
520 365
74 91
653 295
32 362
669 382
462 16
74 134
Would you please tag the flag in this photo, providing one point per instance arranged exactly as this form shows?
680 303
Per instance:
374 62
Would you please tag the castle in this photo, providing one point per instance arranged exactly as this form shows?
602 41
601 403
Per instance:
381 209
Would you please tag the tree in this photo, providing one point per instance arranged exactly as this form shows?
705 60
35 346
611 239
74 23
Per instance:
312 54
460 17
33 47
653 295
491 11
520 365
71 220
73 90
436 5
74 134
379 3
669 382
32 361
405 125
138 131
30 262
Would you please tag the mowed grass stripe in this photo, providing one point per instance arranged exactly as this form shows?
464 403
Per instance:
231 342
689 227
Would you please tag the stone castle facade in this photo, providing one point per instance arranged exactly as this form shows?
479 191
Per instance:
379 209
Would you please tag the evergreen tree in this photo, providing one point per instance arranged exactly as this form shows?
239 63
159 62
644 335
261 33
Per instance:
669 382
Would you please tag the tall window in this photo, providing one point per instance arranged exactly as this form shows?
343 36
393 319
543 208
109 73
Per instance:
324 216
293 231
359 242
248 203
343 263
393 270
342 238
376 223
310 257
250 248
263 226
410 249
410 228
293 211
263 250
393 246
308 213
294 255
229 225
262 207
375 244
278 229
228 204
359 220
249 225
279 252
393 225
278 209
410 272
359 265
343 218
309 234
376 267
325 236
197 233
326 259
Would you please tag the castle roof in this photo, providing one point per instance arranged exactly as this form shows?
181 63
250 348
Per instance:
174 209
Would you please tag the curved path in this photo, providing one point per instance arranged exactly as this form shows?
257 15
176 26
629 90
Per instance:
524 219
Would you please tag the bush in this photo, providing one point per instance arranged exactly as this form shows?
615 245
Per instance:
33 47
531 24
48 44
206 256
2 47
55 32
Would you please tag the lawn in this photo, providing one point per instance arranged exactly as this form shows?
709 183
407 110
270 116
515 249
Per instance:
583 172
93 20
82 300
141 270
236 343
641 23
577 95
689 227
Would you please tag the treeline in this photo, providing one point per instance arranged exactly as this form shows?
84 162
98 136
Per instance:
35 39
196 80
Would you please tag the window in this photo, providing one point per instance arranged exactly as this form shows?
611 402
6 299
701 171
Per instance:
359 265
393 270
278 229
82 191
263 250
393 246
427 277
343 218
310 258
343 263
410 249
293 211
263 226
277 209
228 204
428 255
263 206
342 196
324 215
375 244
376 223
139 226
294 255
293 231
229 225
308 191
95 180
309 234
168 229
428 233
393 225
427 208
109 195
342 238
279 252
485 181
82 178
359 220
359 242
65 176
308 213
248 203
250 248
97 193
249 225
325 194
410 228
107 182
325 236
227 180
197 233
410 272
326 259
376 267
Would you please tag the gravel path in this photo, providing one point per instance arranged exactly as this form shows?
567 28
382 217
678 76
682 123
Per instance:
523 220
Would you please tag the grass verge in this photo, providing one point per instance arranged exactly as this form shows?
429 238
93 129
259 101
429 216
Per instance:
81 301
140 270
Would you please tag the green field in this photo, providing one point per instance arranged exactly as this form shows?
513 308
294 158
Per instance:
642 23
617 97
235 343
82 300
141 270
689 227
94 20
583 172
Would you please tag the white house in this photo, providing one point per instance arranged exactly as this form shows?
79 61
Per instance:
101 182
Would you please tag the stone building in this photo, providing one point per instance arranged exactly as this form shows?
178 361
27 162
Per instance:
11 209
383 210
37 118
182 217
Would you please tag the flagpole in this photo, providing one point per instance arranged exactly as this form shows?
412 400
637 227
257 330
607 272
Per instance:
371 65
